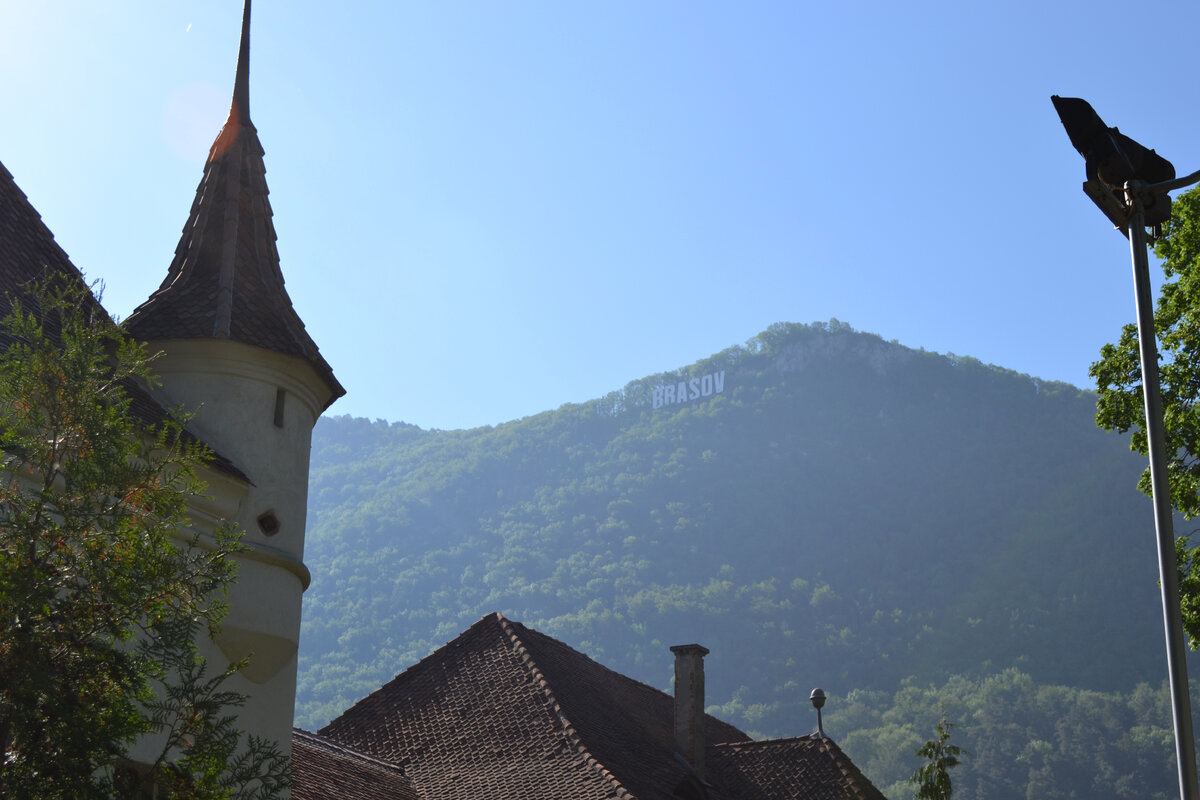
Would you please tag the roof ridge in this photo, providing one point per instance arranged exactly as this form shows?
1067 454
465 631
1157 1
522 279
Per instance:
539 680
823 744
847 767
41 231
407 671
346 750
758 742
417 667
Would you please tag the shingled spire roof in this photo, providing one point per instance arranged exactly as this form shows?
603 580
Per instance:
225 281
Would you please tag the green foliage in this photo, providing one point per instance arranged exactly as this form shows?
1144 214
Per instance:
100 603
1118 377
1188 559
1026 739
932 780
1118 373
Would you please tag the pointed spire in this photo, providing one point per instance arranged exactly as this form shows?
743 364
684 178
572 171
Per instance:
241 83
225 281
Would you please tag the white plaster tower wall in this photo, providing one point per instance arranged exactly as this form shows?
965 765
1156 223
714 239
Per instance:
257 408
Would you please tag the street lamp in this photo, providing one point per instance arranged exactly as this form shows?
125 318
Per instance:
1129 183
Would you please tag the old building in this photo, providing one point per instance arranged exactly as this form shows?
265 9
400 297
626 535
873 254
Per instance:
502 711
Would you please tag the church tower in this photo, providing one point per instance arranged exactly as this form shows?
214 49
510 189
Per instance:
237 355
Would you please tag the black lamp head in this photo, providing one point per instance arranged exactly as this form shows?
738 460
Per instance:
1112 159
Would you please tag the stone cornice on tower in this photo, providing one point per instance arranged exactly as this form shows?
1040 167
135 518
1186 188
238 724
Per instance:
225 281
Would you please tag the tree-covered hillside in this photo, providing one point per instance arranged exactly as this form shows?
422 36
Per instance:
844 512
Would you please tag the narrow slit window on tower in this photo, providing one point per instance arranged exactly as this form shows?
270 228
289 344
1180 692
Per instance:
280 394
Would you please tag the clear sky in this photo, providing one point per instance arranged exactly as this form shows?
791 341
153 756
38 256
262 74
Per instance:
486 210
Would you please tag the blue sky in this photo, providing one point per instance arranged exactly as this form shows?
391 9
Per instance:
486 210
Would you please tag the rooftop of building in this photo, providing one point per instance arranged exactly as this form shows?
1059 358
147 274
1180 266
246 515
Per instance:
506 711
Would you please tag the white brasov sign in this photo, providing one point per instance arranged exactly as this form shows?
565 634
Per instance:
682 392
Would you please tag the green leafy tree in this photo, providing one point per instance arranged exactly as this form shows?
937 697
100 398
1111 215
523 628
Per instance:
1118 377
100 601
932 780
1118 373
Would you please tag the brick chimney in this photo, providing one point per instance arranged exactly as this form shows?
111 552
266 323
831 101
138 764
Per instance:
689 703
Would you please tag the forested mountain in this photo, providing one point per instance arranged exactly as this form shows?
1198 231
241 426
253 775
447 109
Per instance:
820 508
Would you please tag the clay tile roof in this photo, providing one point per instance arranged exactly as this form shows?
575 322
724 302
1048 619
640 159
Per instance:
784 769
28 255
325 770
225 280
506 712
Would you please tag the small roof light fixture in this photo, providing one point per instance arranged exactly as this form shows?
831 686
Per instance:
818 700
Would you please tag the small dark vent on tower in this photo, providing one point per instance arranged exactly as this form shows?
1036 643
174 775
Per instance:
280 396
268 523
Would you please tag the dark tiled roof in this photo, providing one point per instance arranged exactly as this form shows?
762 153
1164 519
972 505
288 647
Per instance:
325 770
28 252
29 255
783 769
225 281
476 720
625 725
506 712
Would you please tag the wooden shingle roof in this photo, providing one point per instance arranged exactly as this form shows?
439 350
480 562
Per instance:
508 713
224 281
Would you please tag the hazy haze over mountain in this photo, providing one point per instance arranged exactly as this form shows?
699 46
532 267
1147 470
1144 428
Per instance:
822 507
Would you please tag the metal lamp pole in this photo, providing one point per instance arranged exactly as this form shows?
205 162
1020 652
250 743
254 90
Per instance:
1114 160
1168 571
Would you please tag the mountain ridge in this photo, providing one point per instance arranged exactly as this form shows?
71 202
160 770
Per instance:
846 512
